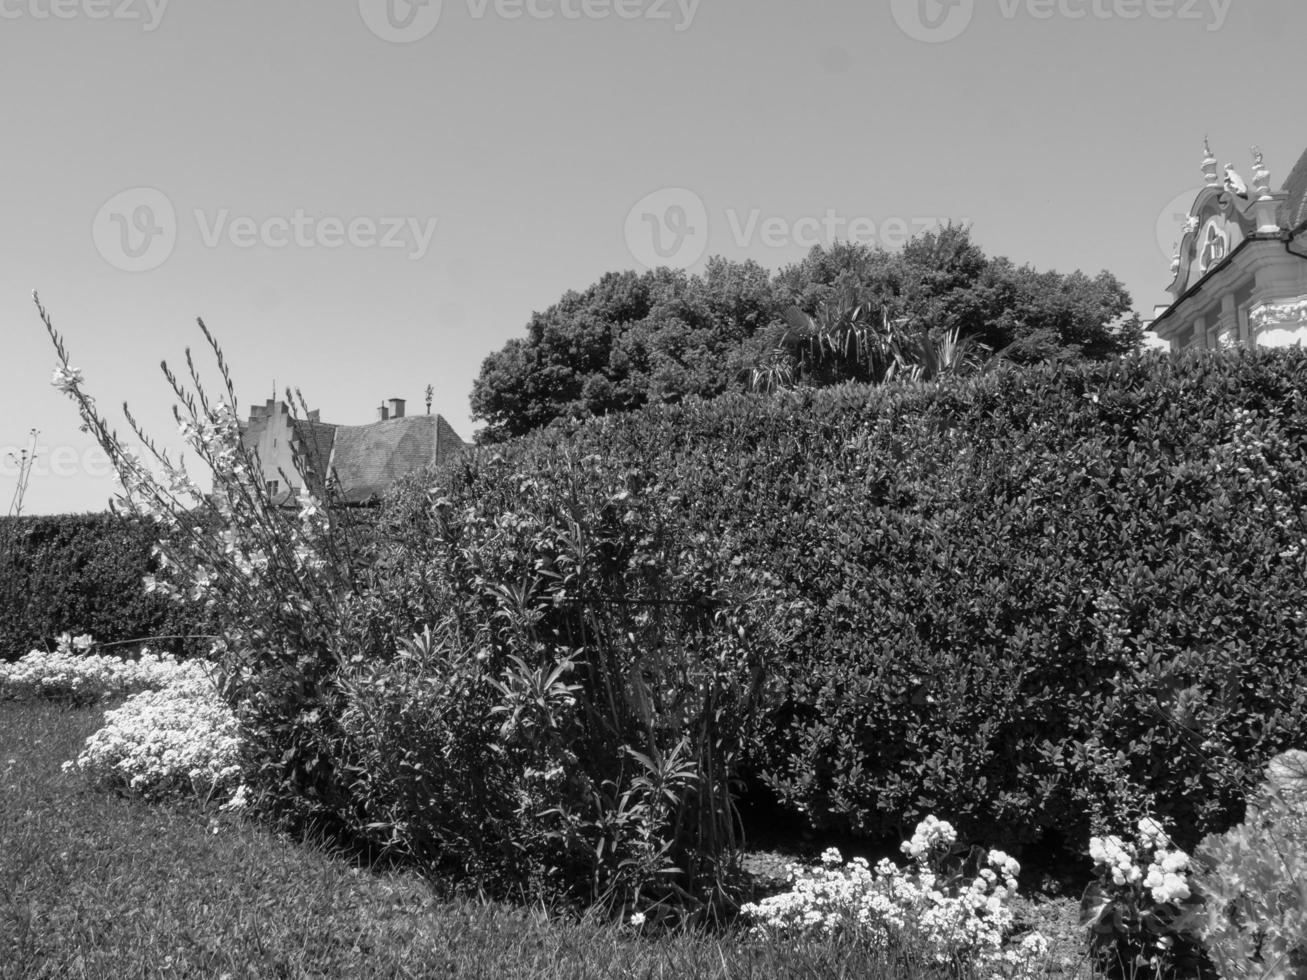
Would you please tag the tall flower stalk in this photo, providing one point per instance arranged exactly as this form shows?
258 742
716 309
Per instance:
278 582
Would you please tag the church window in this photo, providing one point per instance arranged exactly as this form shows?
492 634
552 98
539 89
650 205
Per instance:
1214 246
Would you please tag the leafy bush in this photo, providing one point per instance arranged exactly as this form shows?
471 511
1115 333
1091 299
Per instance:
1253 880
1041 599
577 714
571 720
83 572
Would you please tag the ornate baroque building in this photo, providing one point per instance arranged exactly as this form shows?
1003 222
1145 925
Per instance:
1240 275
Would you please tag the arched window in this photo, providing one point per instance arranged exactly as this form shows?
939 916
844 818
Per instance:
1213 246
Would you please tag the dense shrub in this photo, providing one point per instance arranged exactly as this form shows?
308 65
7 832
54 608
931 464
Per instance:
578 712
85 573
1035 602
1038 602
568 719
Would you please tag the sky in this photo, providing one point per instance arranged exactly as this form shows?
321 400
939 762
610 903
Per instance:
362 198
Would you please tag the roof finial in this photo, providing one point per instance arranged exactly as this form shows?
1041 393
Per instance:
1211 167
1261 175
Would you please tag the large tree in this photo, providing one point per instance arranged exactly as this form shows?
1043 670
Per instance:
628 340
942 280
844 312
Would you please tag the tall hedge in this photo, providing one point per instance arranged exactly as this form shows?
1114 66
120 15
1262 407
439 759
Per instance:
1033 600
81 573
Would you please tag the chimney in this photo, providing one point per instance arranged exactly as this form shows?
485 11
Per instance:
383 413
397 408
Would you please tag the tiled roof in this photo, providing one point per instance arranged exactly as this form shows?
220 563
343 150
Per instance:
368 459
315 441
1294 212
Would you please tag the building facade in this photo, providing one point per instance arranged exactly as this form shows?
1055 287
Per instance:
360 462
1239 277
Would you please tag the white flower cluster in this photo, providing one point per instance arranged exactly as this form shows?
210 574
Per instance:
66 379
70 672
1117 857
932 834
180 737
1167 875
969 919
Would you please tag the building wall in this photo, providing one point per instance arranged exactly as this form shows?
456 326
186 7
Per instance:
1248 302
269 434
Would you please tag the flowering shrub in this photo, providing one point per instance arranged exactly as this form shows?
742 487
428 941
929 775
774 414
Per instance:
1137 908
71 673
275 584
619 661
1253 880
954 918
179 738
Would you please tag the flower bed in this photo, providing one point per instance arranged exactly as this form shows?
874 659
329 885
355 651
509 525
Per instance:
179 738
73 673
934 907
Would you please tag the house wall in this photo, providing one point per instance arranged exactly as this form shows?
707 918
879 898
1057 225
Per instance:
270 435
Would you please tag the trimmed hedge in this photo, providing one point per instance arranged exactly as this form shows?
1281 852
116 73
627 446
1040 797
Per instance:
1030 601
80 573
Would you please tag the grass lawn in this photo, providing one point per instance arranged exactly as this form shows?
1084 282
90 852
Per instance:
94 885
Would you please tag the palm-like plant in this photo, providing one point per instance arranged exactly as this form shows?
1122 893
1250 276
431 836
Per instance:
855 339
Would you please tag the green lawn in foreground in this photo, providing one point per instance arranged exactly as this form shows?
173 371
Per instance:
93 885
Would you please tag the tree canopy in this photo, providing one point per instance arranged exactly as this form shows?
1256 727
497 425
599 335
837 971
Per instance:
662 336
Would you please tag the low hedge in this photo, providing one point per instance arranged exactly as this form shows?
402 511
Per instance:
1032 601
81 573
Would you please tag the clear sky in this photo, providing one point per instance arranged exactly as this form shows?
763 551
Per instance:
364 197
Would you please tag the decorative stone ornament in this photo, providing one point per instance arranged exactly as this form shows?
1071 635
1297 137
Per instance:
1234 183
1261 175
1211 168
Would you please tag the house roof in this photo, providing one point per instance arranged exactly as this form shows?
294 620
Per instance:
315 440
368 459
1294 212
